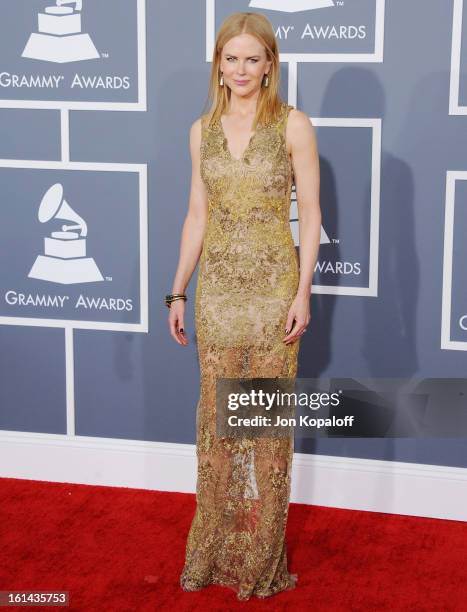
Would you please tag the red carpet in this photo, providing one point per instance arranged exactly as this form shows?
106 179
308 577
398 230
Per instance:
122 550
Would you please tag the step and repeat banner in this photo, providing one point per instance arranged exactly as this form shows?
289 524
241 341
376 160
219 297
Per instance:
96 101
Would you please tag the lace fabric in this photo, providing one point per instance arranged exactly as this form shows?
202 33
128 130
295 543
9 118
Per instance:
247 279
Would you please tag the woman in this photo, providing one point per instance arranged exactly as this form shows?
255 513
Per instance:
245 152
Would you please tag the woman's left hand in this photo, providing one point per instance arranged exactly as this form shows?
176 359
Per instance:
299 316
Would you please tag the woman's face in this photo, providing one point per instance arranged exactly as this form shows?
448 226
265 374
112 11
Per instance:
244 64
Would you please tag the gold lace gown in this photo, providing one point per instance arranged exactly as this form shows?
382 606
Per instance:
247 280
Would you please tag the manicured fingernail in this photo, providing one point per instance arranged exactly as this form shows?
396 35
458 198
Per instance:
181 330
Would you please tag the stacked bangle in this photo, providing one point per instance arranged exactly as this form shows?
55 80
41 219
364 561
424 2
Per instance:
171 297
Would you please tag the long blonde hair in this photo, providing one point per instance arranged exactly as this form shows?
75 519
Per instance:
269 100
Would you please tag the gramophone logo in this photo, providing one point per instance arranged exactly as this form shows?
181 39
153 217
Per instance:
290 6
65 258
293 218
59 38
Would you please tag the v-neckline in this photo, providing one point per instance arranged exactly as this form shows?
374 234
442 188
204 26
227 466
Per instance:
227 146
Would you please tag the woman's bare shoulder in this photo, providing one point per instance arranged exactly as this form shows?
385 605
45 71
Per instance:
196 129
299 120
198 125
299 126
300 130
202 121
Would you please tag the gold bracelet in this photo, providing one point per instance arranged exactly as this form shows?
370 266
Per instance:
171 297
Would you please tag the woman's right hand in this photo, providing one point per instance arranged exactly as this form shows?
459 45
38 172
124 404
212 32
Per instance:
176 317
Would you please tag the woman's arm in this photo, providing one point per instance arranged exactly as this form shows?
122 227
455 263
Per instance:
191 243
192 237
305 161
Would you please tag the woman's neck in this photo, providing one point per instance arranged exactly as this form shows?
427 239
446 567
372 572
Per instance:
243 106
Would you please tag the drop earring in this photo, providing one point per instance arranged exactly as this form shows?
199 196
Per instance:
266 80
221 81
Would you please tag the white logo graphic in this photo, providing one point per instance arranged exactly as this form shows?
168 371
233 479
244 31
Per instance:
290 6
59 38
294 227
65 258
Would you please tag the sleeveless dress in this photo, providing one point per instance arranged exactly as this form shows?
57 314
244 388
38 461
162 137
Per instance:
248 277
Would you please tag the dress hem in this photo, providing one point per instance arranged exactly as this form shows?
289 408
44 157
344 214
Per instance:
260 594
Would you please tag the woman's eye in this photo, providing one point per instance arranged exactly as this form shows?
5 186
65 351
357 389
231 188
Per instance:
253 59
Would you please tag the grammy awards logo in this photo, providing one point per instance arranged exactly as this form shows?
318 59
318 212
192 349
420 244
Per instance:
59 38
290 6
293 218
65 258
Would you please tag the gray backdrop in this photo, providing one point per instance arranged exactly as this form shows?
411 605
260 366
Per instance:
136 385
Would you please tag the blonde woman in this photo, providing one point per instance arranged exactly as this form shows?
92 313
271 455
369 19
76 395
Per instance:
252 300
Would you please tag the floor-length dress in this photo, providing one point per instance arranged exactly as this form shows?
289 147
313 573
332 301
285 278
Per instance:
248 277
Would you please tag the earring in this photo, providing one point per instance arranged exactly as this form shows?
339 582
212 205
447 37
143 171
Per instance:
221 82
266 80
